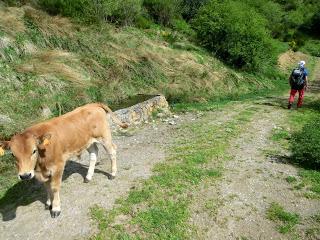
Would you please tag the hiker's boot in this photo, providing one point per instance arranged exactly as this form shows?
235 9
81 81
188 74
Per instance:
289 105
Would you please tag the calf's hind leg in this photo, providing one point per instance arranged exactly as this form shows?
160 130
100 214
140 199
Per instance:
111 149
93 154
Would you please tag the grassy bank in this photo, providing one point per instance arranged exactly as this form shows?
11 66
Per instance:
53 62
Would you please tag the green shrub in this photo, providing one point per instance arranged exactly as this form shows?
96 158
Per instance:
143 22
273 12
312 47
122 12
163 11
236 33
126 12
182 26
312 26
306 145
191 7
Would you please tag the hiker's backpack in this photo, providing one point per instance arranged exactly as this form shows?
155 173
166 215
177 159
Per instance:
297 78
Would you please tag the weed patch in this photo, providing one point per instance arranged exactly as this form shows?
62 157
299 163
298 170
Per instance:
291 179
286 220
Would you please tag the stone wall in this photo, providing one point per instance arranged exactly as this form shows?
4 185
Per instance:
142 112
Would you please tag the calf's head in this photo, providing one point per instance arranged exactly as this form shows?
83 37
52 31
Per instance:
26 148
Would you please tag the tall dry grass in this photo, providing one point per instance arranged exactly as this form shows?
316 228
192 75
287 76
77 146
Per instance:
11 20
53 62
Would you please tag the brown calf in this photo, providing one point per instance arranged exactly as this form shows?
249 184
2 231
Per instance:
43 149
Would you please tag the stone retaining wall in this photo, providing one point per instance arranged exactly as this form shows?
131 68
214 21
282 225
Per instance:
142 112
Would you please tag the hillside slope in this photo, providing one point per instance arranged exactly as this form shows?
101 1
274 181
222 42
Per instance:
50 62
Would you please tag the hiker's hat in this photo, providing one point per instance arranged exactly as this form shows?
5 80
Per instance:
301 63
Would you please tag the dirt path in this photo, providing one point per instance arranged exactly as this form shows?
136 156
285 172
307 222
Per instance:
250 184
236 207
137 153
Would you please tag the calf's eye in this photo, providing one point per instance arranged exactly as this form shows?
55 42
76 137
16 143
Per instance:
34 151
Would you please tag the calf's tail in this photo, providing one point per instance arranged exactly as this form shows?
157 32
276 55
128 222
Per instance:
113 116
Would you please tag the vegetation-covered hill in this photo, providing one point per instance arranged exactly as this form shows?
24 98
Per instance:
52 61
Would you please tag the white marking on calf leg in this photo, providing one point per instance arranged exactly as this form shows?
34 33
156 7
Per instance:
93 160
93 153
49 194
56 201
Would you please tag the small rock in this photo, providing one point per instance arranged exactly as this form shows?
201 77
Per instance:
4 119
160 115
175 116
171 122
5 42
46 112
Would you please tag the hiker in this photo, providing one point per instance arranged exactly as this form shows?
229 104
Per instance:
298 81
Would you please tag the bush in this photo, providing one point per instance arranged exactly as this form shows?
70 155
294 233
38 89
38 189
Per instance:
163 11
121 12
306 145
191 7
273 12
182 26
236 33
126 12
312 26
143 22
312 47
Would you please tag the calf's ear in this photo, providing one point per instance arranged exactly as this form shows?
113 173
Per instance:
45 140
4 145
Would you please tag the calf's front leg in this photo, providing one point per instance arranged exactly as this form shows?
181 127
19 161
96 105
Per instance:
49 195
55 184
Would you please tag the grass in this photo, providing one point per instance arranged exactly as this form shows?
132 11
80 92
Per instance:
291 179
159 208
286 220
279 134
310 179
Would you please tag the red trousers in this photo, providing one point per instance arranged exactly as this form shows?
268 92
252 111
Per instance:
293 93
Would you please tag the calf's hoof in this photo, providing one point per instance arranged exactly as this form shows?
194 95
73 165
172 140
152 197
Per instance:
47 207
86 180
111 177
55 214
